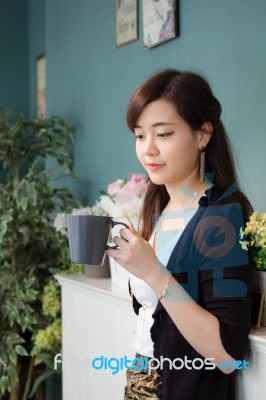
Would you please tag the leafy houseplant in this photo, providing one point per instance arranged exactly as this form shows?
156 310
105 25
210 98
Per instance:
31 250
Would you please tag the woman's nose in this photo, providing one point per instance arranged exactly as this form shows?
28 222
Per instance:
150 147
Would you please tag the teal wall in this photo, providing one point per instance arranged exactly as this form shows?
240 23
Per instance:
14 74
90 80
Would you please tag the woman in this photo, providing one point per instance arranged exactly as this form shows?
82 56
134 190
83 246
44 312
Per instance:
190 277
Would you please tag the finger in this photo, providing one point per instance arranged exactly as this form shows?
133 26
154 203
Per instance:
136 230
126 234
123 233
130 224
119 241
114 253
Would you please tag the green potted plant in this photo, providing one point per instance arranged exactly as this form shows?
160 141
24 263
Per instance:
254 237
31 250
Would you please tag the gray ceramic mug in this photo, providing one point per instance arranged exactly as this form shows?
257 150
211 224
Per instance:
88 236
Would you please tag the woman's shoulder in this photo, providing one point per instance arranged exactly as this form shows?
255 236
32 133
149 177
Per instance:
216 194
222 206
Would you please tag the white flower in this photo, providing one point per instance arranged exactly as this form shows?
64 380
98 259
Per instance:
98 210
123 200
125 210
60 223
82 211
110 207
242 233
133 209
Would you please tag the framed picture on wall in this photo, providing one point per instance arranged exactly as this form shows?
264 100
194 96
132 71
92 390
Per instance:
41 86
126 21
159 21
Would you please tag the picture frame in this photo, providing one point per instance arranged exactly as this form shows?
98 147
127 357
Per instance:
126 14
257 302
41 85
160 21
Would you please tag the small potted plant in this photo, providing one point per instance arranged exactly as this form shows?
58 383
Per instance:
254 237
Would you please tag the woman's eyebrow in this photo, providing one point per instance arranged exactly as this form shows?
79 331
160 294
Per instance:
157 124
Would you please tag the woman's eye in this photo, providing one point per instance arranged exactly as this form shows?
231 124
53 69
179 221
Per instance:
164 134
139 137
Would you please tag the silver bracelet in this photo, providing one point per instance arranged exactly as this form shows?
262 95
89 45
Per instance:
164 292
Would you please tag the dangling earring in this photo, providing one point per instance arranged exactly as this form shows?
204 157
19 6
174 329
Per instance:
202 164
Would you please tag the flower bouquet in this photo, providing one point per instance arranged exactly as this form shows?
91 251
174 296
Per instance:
254 236
122 199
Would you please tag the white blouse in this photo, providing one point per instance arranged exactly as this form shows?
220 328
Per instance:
165 241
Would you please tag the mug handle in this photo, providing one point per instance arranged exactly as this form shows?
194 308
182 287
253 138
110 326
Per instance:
113 223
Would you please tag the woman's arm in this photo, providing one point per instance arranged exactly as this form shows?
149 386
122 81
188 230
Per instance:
198 326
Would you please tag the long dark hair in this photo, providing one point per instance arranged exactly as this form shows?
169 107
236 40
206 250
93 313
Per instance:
194 101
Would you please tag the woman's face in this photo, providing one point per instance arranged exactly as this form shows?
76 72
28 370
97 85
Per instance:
166 146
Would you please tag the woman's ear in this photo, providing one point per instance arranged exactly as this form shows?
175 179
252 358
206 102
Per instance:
205 133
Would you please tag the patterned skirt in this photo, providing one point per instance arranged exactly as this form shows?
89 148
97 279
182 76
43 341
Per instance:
140 383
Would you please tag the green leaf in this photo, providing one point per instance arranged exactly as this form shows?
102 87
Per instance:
5 220
11 318
6 280
31 293
26 194
21 350
104 193
31 320
3 359
30 282
47 360
28 309
4 383
12 373
24 203
39 380
16 339
13 356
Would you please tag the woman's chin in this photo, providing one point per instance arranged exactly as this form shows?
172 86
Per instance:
156 180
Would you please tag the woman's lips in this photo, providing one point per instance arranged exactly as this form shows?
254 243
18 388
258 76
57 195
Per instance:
154 167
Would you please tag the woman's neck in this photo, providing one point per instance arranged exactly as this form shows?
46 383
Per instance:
185 195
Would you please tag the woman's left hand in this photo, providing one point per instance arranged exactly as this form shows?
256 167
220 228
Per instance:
134 254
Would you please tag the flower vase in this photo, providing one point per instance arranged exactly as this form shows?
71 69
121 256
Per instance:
98 271
258 283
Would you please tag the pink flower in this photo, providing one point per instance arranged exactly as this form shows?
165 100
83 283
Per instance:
115 187
126 194
124 191
138 178
138 184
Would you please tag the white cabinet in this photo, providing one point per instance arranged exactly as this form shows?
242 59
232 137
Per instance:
251 384
98 321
